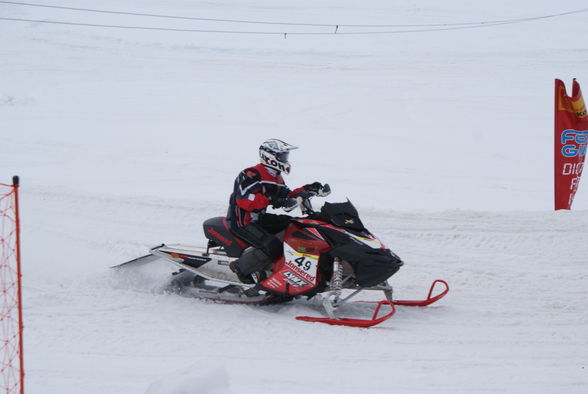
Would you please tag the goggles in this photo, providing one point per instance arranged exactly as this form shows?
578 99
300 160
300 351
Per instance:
282 156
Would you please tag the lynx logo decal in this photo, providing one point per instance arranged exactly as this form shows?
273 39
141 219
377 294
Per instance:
294 280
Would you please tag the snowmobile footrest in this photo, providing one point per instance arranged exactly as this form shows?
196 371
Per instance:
227 287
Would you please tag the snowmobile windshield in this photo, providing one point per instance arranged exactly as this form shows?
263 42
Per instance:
282 156
343 214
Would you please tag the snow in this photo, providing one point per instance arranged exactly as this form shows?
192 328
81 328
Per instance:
125 139
187 381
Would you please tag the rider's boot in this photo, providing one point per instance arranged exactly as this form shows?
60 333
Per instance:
247 279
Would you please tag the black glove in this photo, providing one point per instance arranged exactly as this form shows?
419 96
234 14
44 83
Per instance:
286 203
324 191
313 187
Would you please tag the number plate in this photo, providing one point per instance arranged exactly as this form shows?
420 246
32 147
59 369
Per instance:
303 265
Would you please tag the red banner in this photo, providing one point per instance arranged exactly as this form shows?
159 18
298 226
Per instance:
571 136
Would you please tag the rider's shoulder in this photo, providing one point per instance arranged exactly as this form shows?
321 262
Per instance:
252 172
262 173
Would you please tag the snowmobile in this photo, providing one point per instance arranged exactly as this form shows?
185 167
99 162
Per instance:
324 254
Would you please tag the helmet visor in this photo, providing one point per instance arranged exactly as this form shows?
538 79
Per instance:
282 157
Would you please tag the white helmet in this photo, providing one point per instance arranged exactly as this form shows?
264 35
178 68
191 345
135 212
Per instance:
274 153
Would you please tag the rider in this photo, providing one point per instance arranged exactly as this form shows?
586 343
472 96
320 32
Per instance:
255 189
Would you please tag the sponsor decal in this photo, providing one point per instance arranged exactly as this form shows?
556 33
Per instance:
272 283
572 169
294 280
301 272
276 164
565 103
193 261
188 257
574 143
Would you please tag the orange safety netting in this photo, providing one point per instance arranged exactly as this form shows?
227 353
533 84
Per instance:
11 350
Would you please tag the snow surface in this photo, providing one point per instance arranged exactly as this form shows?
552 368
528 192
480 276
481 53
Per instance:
128 138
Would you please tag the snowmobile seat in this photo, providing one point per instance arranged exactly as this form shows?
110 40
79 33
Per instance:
217 230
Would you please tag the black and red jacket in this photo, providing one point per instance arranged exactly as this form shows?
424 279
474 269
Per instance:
255 189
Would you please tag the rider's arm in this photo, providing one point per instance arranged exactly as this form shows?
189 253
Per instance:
248 191
312 187
294 193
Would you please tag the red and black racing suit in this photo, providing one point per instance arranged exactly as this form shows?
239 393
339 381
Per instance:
255 189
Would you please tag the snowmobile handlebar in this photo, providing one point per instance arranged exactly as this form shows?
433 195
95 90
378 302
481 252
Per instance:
305 204
324 191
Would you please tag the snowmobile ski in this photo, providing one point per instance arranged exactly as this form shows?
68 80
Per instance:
430 299
363 323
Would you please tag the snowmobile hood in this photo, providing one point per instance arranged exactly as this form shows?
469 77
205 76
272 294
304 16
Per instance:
342 214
